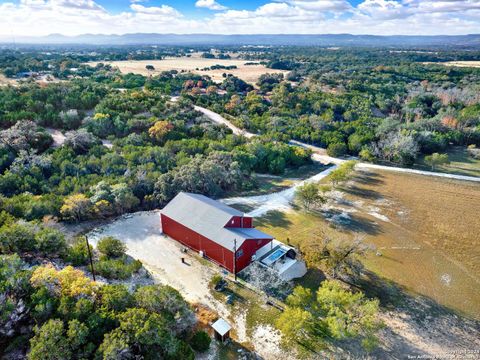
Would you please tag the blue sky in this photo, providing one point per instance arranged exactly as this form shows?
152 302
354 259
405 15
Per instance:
185 6
384 17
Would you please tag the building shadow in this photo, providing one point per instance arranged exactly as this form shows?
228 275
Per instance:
273 218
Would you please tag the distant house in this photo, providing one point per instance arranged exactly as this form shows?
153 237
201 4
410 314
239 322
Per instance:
219 232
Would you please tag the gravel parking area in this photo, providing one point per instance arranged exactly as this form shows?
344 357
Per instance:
141 233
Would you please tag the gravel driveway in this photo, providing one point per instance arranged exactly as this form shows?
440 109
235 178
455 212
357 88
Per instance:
141 233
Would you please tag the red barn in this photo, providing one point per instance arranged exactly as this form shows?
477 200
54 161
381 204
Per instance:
213 228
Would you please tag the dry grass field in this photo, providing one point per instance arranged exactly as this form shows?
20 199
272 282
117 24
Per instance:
5 81
475 64
425 232
248 73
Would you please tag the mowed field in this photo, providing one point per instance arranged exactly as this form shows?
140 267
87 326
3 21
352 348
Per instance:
248 73
425 232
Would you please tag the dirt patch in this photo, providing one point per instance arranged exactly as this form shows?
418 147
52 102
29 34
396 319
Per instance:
248 73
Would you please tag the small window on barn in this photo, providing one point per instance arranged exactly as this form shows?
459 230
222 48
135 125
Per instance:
233 221
239 253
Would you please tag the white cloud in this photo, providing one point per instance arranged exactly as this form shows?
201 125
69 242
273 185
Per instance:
210 4
322 5
72 17
383 9
163 10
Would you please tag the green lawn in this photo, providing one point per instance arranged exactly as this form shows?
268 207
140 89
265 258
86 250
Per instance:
460 163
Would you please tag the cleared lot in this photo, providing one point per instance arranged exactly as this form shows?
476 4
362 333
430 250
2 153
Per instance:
248 73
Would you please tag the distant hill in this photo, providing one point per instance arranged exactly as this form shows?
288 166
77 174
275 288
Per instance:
469 41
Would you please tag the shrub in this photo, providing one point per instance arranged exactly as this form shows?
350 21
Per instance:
215 280
118 269
200 341
77 253
337 149
16 238
183 351
111 247
367 155
50 241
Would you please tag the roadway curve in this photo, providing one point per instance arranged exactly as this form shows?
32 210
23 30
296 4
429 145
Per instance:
319 154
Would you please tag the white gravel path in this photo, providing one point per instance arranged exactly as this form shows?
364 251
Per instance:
219 119
276 201
319 154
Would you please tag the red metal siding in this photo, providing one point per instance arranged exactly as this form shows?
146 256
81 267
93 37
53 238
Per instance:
239 222
247 222
234 222
249 248
211 249
192 239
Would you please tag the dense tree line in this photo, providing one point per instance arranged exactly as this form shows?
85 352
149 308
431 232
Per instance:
62 314
381 105
155 142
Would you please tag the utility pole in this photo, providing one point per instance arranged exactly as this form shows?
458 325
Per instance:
235 258
90 256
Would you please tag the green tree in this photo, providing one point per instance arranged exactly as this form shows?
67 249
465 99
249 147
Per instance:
139 333
296 325
115 299
347 314
111 247
342 173
309 194
124 198
337 149
366 155
50 342
165 299
14 289
17 238
436 159
77 253
76 207
77 334
333 313
200 341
